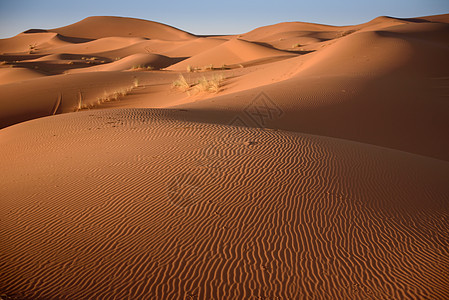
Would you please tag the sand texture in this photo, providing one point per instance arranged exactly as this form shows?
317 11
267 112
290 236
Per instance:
295 161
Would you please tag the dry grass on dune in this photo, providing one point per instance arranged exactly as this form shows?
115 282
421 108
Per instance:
210 84
106 97
181 83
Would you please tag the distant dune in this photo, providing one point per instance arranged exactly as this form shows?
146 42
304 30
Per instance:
294 161
100 27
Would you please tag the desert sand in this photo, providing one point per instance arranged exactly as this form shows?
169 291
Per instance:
295 161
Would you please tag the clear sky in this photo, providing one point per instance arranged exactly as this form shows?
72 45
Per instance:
209 17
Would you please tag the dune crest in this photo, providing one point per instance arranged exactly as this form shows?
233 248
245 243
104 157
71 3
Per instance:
231 52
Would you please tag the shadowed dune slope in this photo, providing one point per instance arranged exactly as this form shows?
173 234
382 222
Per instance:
156 207
290 30
385 83
99 45
191 48
22 101
141 60
8 75
387 88
283 35
436 18
25 42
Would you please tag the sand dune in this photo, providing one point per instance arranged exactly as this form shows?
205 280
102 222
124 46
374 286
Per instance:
286 35
26 42
140 60
316 166
21 101
8 75
191 48
100 27
99 45
372 87
231 52
215 211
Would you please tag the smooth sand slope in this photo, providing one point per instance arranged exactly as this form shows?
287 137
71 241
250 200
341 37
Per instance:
99 27
317 167
231 52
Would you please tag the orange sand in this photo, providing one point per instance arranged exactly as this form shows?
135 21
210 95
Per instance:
319 169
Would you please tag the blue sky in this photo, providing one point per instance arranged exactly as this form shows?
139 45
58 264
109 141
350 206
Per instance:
209 17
